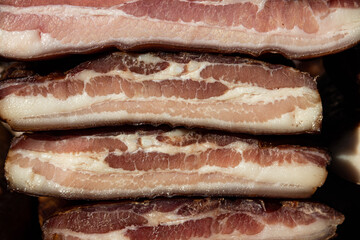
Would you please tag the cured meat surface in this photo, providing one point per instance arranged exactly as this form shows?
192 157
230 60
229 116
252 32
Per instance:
297 29
211 91
207 218
108 164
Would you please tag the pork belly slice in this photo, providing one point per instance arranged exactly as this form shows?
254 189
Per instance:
201 218
297 29
148 163
194 90
346 153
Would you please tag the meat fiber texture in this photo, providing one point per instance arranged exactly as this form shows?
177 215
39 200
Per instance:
192 90
108 164
297 29
201 218
93 94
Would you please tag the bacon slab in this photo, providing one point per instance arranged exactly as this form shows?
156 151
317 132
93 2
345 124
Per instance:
297 29
110 164
193 90
186 218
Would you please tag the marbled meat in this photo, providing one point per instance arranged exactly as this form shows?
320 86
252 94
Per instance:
297 29
182 89
132 163
203 218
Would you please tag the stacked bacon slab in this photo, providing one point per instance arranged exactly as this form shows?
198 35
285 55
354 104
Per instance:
193 90
207 100
298 29
185 218
118 164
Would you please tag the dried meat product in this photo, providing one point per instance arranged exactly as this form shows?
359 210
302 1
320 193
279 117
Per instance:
111 164
346 154
297 29
193 90
204 218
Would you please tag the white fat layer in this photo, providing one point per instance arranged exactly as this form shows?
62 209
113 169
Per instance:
343 31
27 43
299 120
23 179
